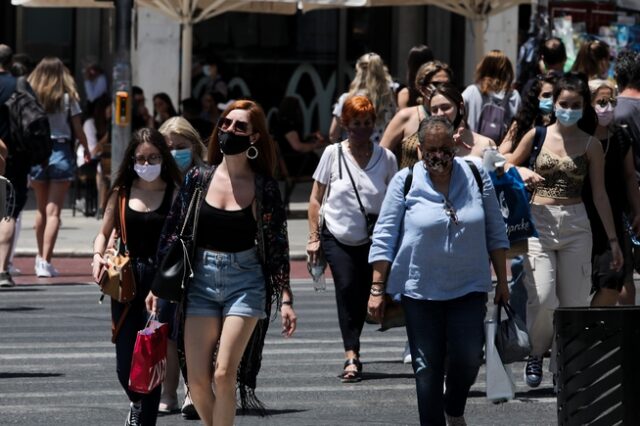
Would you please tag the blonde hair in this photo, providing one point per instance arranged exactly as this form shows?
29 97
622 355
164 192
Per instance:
373 80
50 80
181 127
597 84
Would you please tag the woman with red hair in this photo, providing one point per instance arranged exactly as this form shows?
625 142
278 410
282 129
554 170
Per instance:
352 178
241 263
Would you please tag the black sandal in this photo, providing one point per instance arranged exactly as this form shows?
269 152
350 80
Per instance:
350 376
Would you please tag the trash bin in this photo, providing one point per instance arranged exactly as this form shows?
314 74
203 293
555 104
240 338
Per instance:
598 365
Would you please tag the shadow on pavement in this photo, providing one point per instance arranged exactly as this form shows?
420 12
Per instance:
382 376
27 375
19 289
266 412
20 309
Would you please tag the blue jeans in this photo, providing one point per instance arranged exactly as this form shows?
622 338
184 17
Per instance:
445 336
517 290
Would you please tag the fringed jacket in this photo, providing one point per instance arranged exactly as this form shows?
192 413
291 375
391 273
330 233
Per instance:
273 251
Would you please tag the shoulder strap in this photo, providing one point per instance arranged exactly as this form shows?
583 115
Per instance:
120 222
505 100
353 183
476 175
538 140
408 181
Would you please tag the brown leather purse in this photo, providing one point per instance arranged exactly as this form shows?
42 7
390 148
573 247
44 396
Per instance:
117 279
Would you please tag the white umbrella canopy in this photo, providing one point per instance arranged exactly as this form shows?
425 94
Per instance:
189 12
478 11
62 3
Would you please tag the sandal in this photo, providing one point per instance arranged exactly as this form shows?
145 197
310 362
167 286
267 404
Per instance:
351 376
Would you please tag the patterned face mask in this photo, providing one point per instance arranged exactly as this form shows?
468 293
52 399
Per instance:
438 160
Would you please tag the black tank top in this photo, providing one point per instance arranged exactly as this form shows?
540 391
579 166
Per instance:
144 228
224 230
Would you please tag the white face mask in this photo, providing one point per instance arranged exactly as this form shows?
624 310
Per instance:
206 70
605 115
148 172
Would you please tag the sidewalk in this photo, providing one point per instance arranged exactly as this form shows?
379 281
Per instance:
76 235
74 246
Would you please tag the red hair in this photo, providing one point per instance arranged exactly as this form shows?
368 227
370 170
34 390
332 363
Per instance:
357 106
265 163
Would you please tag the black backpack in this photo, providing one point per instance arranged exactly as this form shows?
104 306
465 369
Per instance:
494 117
29 125
474 169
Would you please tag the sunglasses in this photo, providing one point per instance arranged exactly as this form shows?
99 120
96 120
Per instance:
450 212
239 126
153 159
604 102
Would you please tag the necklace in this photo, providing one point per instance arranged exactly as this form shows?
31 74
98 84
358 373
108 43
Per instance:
365 154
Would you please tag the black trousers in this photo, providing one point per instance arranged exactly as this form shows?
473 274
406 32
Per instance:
352 279
135 321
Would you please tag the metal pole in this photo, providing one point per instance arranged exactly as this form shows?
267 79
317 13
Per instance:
186 59
121 121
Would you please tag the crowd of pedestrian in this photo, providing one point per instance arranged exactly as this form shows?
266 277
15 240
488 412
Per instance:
403 210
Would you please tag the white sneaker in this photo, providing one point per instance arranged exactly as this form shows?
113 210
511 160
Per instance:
406 355
45 269
40 269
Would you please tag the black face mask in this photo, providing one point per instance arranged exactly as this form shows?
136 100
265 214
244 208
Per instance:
232 144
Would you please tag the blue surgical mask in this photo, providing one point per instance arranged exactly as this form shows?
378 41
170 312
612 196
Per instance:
183 158
568 117
546 105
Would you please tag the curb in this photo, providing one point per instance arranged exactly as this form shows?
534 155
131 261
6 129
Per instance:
293 255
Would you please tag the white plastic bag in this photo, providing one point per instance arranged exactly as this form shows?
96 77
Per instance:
500 386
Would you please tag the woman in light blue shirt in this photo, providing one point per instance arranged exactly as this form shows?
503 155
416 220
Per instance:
433 246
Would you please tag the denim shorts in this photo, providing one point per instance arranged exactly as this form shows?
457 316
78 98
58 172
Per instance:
62 163
227 284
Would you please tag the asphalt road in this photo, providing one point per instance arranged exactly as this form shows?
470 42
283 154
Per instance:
57 367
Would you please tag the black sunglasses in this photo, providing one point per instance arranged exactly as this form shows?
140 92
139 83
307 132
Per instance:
240 126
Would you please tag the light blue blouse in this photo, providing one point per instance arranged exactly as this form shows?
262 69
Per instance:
432 257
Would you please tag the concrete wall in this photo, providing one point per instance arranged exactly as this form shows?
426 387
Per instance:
500 33
155 55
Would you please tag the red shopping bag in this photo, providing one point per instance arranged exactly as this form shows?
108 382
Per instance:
149 361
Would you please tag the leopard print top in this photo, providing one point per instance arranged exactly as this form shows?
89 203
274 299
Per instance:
563 175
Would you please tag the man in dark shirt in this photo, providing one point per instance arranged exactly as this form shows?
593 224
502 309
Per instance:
553 55
17 167
627 112
191 112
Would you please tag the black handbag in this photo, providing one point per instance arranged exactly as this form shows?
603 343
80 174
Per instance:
175 268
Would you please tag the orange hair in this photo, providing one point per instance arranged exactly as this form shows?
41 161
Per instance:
357 106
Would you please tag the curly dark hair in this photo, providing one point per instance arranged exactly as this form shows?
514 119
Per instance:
627 70
529 115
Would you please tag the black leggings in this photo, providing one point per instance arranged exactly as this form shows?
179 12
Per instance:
135 320
352 279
